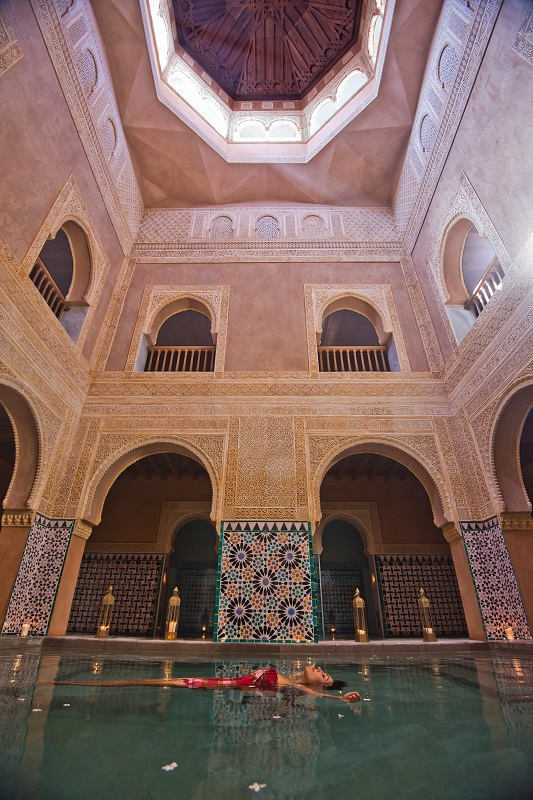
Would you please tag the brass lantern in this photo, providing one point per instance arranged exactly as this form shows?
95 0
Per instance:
425 617
173 615
106 612
359 617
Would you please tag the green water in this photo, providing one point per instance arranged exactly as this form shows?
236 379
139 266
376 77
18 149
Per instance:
451 727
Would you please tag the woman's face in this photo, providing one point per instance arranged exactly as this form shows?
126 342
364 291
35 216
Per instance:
314 674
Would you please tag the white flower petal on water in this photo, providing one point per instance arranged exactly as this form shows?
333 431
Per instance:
340 716
276 717
66 705
170 767
256 787
36 709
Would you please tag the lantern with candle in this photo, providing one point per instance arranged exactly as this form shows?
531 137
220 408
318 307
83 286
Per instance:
359 617
173 615
424 610
106 612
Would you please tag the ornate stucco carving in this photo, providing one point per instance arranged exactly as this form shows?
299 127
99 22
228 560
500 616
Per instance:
380 297
17 519
155 298
10 49
516 522
87 88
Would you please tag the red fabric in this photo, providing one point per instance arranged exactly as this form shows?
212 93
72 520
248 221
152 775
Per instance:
260 679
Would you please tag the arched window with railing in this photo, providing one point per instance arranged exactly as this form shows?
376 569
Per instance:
62 274
183 343
350 343
472 273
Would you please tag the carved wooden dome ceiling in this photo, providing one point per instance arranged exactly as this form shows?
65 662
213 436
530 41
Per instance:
267 49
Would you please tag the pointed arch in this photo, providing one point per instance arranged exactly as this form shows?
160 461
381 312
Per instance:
114 465
28 446
505 434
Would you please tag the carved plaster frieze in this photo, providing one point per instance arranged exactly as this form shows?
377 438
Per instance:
174 515
416 548
423 317
516 521
523 42
17 519
457 52
112 316
82 529
154 300
74 48
10 49
380 297
70 206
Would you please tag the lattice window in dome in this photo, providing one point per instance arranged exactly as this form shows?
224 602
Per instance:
313 227
87 71
221 228
448 62
428 131
267 227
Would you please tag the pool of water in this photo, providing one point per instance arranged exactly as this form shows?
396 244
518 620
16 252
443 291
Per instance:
427 727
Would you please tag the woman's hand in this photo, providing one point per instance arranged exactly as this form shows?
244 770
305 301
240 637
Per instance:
352 697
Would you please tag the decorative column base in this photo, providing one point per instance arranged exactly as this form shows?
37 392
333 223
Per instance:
497 590
266 583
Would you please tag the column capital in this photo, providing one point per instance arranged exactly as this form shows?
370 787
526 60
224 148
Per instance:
516 521
451 531
82 529
17 518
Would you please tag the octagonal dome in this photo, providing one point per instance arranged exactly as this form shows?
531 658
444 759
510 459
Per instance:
267 49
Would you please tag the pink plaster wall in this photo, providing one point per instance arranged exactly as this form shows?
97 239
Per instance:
403 506
266 328
40 149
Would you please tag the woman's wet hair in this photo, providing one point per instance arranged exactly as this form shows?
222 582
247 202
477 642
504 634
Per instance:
336 685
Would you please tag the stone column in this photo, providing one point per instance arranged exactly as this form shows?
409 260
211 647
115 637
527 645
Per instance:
497 589
474 622
69 577
13 535
518 531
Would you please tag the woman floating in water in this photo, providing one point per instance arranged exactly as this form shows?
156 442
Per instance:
309 681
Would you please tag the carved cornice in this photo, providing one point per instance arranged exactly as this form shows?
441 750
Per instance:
516 521
82 529
17 519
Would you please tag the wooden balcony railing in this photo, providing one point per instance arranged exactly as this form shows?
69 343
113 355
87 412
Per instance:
48 289
353 359
180 359
489 283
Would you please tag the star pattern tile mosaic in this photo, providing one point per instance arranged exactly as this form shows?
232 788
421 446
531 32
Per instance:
266 588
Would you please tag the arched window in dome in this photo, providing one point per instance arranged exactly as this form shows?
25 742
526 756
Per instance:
350 343
472 275
350 86
183 344
62 274
322 114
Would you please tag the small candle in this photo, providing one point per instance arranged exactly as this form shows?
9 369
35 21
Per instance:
25 629
172 626
360 631
509 634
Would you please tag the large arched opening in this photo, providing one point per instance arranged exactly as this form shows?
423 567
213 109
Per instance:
390 542
130 545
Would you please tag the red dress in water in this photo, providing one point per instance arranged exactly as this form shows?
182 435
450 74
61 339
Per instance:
260 679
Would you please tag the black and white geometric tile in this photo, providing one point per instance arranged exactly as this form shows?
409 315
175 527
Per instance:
35 588
498 594
400 578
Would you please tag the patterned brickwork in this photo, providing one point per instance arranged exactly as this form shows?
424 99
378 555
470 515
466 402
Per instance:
34 592
499 598
338 587
266 586
198 591
135 577
401 576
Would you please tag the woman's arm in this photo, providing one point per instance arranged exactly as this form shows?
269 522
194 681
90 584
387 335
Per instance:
349 697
